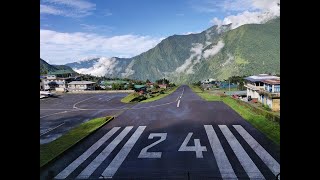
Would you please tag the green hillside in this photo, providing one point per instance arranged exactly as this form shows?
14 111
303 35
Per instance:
46 67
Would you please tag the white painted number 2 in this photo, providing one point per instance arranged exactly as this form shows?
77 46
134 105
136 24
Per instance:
197 146
145 154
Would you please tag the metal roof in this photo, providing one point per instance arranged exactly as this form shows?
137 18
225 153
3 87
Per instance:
81 82
230 93
139 86
260 77
272 81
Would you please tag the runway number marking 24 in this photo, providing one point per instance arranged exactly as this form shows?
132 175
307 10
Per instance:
197 148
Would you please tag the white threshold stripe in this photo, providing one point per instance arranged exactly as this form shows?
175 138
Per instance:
71 167
178 103
246 162
224 165
272 164
123 153
86 173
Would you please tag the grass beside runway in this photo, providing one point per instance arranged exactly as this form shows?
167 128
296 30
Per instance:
129 98
166 93
132 96
50 151
270 128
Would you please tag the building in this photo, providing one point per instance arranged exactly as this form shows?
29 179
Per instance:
41 83
209 81
164 86
58 80
270 94
140 88
150 85
255 83
81 85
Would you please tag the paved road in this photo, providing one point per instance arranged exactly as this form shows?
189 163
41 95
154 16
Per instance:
60 114
168 139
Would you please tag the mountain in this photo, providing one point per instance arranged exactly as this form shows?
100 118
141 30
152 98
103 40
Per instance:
111 67
46 67
218 52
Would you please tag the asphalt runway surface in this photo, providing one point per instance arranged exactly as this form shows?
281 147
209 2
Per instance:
60 114
180 136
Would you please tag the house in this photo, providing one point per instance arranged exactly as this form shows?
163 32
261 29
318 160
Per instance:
208 81
41 83
270 94
207 86
52 82
58 80
81 85
255 83
150 84
164 86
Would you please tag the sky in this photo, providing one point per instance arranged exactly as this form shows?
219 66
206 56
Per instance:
73 30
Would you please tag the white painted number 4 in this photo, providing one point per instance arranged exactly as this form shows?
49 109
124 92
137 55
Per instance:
197 146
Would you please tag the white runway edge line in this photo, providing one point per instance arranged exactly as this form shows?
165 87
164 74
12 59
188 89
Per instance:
224 165
123 153
71 167
245 161
86 173
272 164
62 112
51 129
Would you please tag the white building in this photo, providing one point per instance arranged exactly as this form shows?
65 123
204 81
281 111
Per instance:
255 84
81 85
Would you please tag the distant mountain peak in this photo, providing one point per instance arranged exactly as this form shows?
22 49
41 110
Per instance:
218 52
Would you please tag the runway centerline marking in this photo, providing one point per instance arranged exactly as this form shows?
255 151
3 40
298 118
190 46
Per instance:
103 155
246 162
71 167
272 164
178 103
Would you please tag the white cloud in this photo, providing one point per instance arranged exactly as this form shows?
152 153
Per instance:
214 50
128 71
44 9
187 66
108 14
102 67
191 32
264 10
62 48
79 8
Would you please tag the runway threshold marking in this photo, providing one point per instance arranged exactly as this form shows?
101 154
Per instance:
123 153
246 162
224 165
69 169
85 174
272 164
